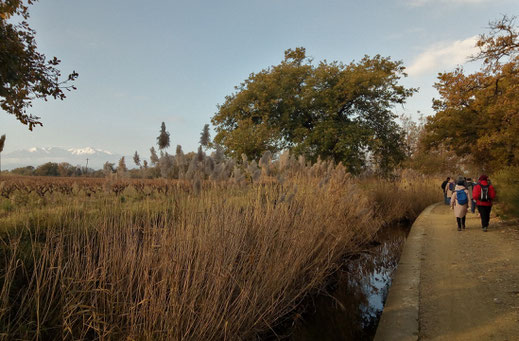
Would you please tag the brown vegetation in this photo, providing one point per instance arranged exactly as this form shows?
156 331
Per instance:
166 260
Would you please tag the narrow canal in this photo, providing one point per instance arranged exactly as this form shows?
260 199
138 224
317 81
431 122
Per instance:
351 308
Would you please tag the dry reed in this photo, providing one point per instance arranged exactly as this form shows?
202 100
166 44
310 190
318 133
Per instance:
222 263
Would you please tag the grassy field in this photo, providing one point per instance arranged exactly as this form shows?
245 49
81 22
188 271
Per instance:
175 260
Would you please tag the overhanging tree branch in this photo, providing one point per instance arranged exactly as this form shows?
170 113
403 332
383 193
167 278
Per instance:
25 73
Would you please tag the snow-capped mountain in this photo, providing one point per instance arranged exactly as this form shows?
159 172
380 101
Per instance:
88 151
75 156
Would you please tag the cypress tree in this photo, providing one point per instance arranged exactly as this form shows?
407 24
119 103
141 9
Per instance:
163 138
2 143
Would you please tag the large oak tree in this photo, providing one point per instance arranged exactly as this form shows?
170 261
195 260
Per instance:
331 110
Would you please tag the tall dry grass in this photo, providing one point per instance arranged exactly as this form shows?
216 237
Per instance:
506 182
403 199
225 264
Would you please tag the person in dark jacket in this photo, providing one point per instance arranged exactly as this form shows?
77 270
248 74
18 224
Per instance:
460 208
449 189
484 193
444 192
470 187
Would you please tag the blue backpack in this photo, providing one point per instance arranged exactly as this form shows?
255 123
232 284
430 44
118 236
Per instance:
461 196
451 186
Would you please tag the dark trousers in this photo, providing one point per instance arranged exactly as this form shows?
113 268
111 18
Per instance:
484 212
461 222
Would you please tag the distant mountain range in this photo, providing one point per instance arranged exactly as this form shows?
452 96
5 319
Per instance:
75 156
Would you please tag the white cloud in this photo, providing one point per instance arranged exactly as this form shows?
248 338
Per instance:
443 56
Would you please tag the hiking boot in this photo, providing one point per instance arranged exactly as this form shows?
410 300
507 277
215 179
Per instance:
459 228
463 227
484 229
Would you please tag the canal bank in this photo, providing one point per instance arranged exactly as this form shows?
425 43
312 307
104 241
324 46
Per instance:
454 285
399 320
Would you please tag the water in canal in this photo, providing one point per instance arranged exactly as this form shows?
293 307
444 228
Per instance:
352 306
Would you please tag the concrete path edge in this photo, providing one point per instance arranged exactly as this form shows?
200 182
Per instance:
399 320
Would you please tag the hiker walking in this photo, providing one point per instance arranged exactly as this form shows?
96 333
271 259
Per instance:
470 187
444 184
449 189
460 202
484 193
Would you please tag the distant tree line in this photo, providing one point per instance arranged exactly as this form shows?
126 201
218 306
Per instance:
56 169
193 165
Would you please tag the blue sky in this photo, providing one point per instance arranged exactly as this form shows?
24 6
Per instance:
141 63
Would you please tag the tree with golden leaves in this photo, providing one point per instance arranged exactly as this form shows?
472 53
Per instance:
477 115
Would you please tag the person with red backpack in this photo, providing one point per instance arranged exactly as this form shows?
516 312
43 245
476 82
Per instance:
484 193
459 202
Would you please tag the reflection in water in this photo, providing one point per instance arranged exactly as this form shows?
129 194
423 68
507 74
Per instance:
352 306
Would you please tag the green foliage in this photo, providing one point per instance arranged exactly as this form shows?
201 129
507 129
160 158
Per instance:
506 182
28 170
477 115
25 73
66 169
63 169
332 111
47 169
6 205
163 138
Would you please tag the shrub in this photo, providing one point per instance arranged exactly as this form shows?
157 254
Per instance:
506 182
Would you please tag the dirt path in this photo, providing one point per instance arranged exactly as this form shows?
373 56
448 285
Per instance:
469 285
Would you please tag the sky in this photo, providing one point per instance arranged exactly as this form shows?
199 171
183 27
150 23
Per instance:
143 63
